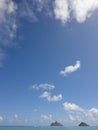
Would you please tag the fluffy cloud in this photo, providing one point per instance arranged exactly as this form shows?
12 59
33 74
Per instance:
77 9
43 86
71 107
55 98
61 10
7 20
93 114
77 114
70 69
82 9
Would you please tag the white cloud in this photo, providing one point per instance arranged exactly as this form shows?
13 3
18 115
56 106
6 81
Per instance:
92 113
77 9
50 98
7 20
82 9
78 114
61 10
71 107
1 119
70 69
43 86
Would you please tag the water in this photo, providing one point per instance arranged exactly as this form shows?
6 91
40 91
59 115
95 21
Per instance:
46 128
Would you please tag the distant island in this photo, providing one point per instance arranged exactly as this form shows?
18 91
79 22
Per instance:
83 124
56 124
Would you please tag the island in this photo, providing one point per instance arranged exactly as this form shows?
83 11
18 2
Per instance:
83 124
56 124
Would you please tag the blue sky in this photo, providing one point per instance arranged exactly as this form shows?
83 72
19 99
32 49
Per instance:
48 62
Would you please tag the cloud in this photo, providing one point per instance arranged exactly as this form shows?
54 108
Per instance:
93 114
43 120
71 107
1 119
43 86
55 98
70 69
72 118
26 11
43 6
82 9
8 24
77 114
77 9
61 10
46 117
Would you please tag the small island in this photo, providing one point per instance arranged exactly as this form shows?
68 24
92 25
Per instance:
83 124
56 124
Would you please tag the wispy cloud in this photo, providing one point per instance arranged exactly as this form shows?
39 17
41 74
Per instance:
46 117
55 98
8 24
43 86
44 6
77 113
70 69
26 10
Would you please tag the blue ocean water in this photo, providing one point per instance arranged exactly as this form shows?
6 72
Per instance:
46 128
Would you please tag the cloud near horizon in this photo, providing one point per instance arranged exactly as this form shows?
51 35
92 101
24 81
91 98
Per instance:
76 113
46 95
70 69
46 117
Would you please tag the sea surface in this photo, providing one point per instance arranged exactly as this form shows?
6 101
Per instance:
46 128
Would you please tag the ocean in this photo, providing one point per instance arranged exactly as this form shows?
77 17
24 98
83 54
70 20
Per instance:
46 128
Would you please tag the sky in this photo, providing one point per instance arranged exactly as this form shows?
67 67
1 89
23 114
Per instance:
48 62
